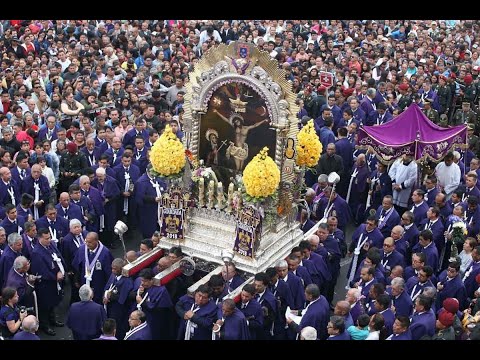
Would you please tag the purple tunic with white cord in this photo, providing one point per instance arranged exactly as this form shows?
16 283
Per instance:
147 207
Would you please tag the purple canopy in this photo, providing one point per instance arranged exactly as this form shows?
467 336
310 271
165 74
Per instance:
412 133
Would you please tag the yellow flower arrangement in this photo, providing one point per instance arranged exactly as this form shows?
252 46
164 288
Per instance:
261 176
168 154
309 146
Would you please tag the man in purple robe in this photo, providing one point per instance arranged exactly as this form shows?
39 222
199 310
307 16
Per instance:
69 248
423 319
56 225
450 285
92 265
22 170
400 298
252 310
431 190
417 284
356 308
283 295
12 222
116 297
103 163
85 318
316 314
24 208
19 280
67 210
140 152
358 188
13 250
338 207
93 195
139 328
9 188
37 185
336 328
400 328
427 246
419 207
115 152
110 192
29 328
197 314
293 282
387 216
391 257
139 130
127 175
380 185
471 273
268 303
410 234
29 238
155 302
231 323
47 262
148 192
85 205
365 236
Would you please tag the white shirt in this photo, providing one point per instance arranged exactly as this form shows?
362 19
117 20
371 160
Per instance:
448 176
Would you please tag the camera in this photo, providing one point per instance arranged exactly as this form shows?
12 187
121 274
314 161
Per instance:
26 309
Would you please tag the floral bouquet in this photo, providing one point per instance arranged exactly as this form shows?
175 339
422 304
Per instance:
459 232
309 146
168 156
261 177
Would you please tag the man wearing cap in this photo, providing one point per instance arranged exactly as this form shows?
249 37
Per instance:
444 326
464 115
444 95
404 99
429 112
470 90
16 48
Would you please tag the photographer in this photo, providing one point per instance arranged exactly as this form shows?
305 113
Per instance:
10 315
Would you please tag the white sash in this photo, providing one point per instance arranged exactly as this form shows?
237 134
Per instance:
356 252
354 175
60 266
190 325
383 219
134 330
156 186
53 233
139 305
90 267
12 194
127 186
77 241
36 186
214 333
413 296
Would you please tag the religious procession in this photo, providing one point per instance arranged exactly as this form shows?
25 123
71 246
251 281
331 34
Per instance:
239 180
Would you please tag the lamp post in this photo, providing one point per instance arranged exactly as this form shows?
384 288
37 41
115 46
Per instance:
227 257
120 229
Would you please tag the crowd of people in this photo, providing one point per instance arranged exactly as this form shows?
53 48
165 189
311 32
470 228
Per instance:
83 101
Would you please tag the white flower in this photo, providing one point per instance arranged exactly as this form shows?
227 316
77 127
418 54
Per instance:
459 224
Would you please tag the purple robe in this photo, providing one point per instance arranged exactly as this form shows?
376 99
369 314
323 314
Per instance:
403 336
141 332
69 248
19 282
88 209
403 304
283 295
254 314
343 336
27 187
437 232
24 335
317 316
345 150
296 288
28 246
11 227
85 319
129 137
415 288
411 235
16 175
452 288
118 306
422 324
5 197
469 278
115 160
59 228
42 264
101 271
204 318
140 158
375 239
6 263
387 221
108 170
234 327
389 261
147 207
134 173
157 307
340 209
92 157
356 311
110 191
419 213
72 212
303 274
431 253
22 212
430 195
